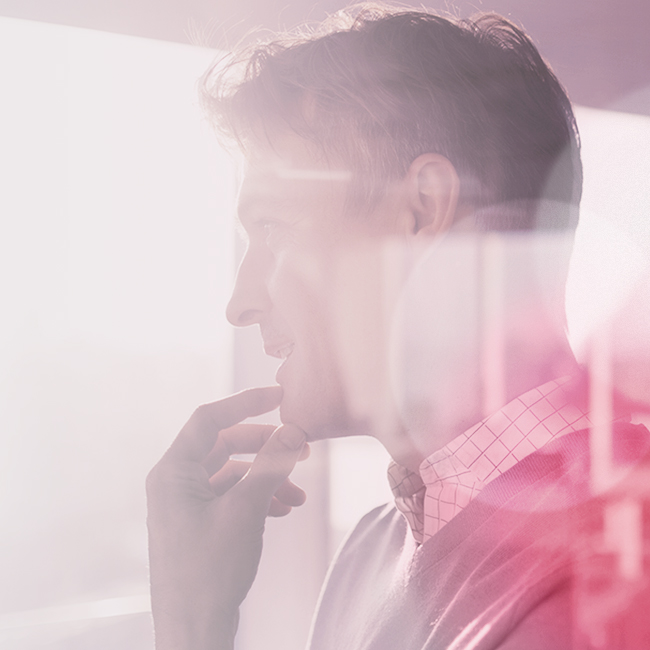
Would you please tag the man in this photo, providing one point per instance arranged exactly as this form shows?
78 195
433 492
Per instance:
410 192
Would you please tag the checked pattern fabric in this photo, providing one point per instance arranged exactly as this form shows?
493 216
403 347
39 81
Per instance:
453 475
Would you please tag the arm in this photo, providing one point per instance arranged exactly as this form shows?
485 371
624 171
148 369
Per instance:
206 517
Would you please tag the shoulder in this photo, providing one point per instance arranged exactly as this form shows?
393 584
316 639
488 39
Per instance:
361 575
563 466
382 528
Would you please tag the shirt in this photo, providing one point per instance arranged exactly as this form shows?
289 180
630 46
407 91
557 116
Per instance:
453 475
514 570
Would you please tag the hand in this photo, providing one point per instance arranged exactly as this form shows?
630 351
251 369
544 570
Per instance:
206 517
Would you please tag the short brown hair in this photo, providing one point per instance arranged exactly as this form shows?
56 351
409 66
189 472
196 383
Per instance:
377 87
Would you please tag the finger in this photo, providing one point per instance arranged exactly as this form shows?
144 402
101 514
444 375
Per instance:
197 438
238 439
241 439
306 452
230 474
278 509
290 494
271 467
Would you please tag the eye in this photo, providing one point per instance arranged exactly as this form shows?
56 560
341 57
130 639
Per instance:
268 227
271 232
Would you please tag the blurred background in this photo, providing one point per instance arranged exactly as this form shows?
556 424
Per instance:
118 250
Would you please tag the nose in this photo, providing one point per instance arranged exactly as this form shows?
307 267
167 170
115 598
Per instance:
250 298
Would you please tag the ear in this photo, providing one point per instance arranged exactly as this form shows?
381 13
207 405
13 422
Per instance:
433 187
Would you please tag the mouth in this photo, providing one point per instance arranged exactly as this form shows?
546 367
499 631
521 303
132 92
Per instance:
282 351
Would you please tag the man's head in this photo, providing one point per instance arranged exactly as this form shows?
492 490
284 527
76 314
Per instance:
374 89
392 128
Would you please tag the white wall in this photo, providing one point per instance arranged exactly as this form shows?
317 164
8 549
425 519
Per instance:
115 265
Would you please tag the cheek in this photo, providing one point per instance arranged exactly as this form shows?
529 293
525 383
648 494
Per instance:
363 308
315 394
301 295
338 307
300 287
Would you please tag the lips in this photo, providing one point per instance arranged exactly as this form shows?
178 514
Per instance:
279 350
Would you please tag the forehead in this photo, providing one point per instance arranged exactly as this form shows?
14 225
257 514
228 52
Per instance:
288 171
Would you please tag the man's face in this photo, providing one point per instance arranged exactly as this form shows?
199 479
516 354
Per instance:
312 279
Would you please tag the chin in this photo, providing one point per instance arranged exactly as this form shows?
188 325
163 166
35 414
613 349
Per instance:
297 417
321 422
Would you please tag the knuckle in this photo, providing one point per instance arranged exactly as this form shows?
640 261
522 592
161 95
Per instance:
201 417
169 478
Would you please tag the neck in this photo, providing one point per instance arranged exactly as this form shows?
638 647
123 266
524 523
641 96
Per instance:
481 377
462 398
530 364
481 323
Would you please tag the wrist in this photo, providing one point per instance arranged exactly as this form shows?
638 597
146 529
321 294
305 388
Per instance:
188 628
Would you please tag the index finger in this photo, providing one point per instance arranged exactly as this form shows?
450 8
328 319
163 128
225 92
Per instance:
199 434
246 438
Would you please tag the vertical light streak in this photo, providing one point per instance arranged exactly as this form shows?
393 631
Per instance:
623 532
600 400
492 344
624 535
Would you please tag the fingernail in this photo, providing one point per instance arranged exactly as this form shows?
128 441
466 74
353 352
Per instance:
291 437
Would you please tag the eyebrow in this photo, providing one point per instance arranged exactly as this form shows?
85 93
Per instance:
253 205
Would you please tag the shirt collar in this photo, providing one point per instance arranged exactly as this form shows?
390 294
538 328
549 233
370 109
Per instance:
453 475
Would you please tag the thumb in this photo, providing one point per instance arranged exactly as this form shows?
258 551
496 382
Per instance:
273 464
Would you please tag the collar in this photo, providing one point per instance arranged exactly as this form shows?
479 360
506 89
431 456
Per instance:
453 475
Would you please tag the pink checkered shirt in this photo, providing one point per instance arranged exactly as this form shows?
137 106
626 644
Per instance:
452 476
